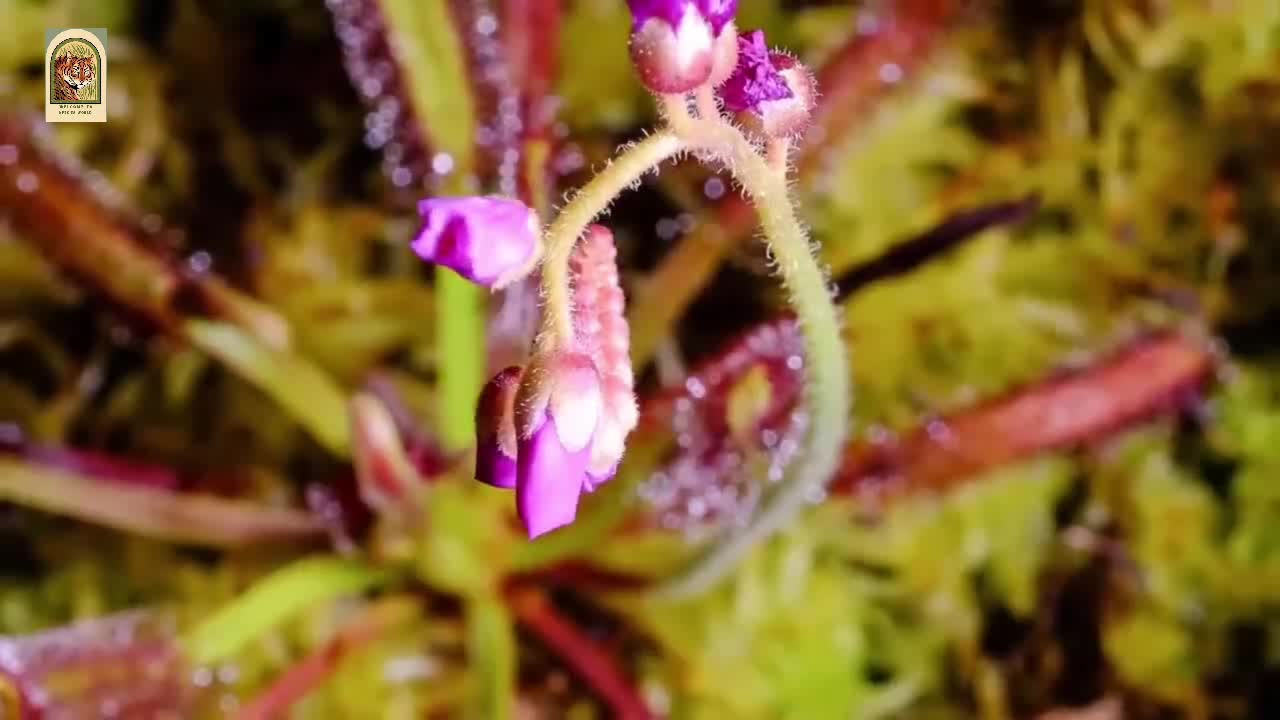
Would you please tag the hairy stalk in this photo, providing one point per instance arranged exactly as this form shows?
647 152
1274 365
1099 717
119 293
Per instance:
587 204
776 154
708 106
828 392
828 382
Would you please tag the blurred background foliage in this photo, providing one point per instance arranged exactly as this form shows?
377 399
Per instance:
225 263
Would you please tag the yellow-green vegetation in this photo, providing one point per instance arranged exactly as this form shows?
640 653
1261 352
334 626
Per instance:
1144 567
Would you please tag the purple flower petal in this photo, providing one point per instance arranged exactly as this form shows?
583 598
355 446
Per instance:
495 429
494 467
549 481
592 481
481 238
755 80
717 13
669 10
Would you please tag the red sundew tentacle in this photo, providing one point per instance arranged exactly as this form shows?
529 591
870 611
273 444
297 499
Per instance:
583 656
494 89
1146 378
130 661
371 64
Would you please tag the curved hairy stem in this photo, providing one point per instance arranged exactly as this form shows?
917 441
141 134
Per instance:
827 390
587 204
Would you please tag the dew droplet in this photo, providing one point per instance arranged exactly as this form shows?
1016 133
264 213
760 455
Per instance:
200 261
442 163
890 73
27 182
202 677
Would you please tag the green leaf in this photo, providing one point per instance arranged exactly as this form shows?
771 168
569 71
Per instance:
161 514
303 390
273 600
491 645
431 56
460 361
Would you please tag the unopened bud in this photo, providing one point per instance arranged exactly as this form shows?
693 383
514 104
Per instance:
724 55
673 58
495 429
384 475
790 116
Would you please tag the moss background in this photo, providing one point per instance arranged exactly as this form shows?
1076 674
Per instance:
1138 576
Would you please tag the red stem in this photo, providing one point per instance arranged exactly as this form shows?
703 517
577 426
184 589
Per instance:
596 667
312 671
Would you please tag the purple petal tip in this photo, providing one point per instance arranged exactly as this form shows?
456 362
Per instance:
755 80
550 480
480 238
494 467
717 13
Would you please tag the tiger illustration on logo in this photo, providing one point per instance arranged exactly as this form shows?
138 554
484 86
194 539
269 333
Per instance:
73 74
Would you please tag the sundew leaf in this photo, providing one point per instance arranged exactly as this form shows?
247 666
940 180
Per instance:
303 390
273 600
430 55
160 514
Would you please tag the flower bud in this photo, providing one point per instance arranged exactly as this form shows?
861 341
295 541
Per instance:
488 240
675 44
557 411
384 475
724 55
496 430
772 94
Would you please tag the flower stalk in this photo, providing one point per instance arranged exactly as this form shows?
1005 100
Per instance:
588 204
575 405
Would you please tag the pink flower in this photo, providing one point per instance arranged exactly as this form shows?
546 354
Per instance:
771 92
678 45
563 430
557 414
487 240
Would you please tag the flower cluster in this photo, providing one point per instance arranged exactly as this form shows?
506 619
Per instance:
679 46
556 426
